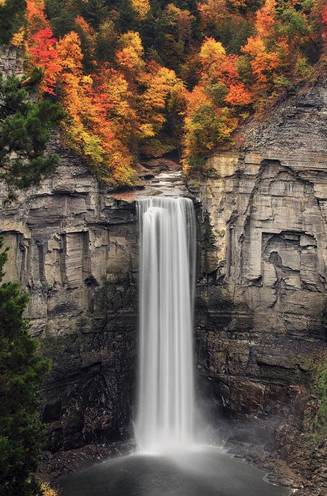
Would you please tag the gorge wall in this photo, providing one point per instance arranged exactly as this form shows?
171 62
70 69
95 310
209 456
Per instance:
261 292
73 247
261 297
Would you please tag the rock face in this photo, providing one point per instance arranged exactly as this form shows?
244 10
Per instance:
11 62
261 293
261 297
73 246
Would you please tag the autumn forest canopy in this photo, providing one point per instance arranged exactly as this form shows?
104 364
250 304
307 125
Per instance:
131 79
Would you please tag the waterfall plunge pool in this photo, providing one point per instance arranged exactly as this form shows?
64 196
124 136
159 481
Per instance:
207 472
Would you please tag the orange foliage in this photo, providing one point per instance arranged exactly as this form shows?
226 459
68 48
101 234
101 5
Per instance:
210 116
211 11
117 110
87 103
262 61
109 111
324 15
217 66
265 18
238 94
81 22
35 15
88 128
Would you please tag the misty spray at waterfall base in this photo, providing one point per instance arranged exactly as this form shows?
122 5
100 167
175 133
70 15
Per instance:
168 460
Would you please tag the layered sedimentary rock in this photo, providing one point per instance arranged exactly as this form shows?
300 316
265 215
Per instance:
261 294
73 248
262 289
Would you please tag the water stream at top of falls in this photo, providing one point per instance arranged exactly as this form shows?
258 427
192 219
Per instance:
166 406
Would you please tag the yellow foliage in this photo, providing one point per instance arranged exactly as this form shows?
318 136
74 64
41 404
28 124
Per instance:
70 53
211 55
18 38
132 39
146 130
206 125
47 490
161 83
130 55
141 7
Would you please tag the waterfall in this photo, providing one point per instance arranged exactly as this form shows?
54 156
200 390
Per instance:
165 415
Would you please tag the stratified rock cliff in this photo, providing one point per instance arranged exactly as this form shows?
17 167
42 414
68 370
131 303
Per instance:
261 293
73 247
261 298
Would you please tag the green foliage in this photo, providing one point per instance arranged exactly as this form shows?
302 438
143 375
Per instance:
232 33
217 92
292 22
106 41
11 18
282 82
244 69
62 15
209 129
94 11
21 373
157 147
245 6
25 128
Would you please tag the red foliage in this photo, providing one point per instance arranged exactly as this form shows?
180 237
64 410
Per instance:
44 54
42 45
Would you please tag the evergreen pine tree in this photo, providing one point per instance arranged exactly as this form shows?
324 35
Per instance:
25 128
21 373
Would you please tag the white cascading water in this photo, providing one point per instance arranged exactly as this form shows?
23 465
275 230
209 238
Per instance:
165 415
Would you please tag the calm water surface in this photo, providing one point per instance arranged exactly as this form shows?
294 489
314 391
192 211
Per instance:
208 473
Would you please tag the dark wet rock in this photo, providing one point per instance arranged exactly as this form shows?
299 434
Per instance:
55 465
